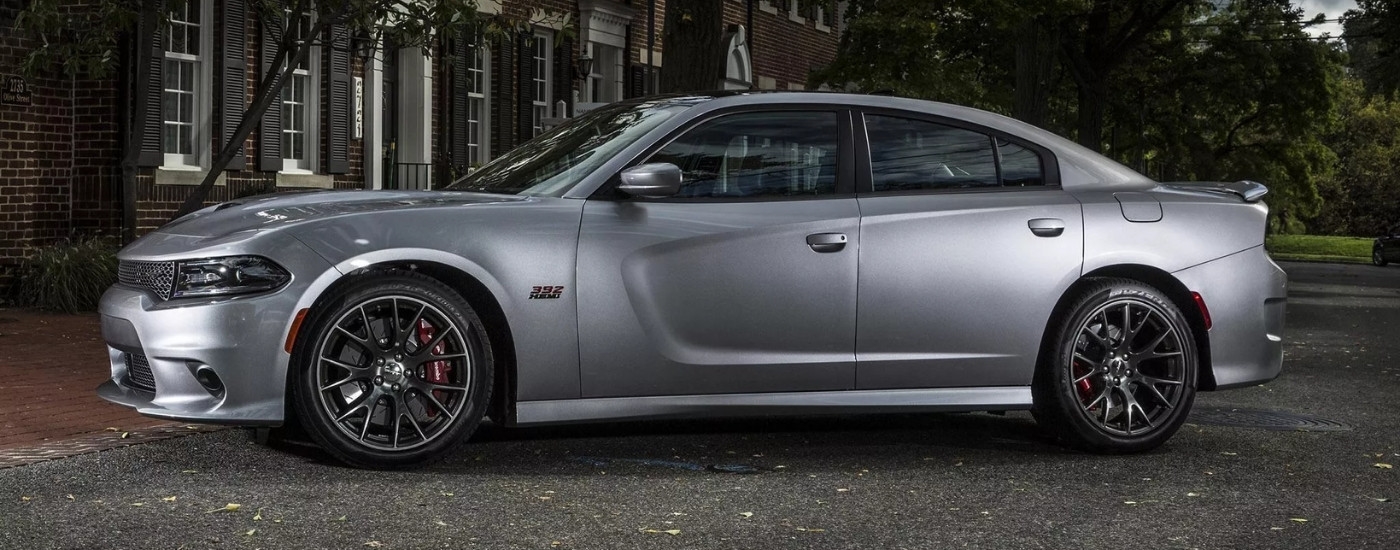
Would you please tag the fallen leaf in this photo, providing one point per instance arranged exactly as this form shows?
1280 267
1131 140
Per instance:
70 497
341 518
1130 502
811 530
668 531
24 499
138 504
112 429
545 498
1378 499
1275 528
250 532
1298 520
230 507
374 544
1193 494
555 543
441 523
446 494
168 499
1382 465
746 514
125 434
188 471
257 516
842 490
1230 454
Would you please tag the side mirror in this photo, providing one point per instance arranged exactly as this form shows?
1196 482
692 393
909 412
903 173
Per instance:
656 180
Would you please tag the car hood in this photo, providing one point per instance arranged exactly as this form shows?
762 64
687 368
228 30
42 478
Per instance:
268 212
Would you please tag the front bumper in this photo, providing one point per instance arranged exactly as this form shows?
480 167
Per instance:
240 339
1246 293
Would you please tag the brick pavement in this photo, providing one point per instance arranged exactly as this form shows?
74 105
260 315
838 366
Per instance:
50 365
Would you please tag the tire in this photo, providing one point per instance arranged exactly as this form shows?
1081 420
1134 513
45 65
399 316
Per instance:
1094 393
1378 256
432 373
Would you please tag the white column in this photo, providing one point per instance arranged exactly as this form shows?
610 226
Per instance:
374 121
416 107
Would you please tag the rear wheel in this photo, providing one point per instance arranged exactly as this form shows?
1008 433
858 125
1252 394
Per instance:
395 371
1378 255
1118 374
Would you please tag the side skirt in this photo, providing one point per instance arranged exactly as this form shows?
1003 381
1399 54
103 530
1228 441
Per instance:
531 413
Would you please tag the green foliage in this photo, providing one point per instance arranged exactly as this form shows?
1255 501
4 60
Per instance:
1363 195
68 277
1319 248
77 40
1373 39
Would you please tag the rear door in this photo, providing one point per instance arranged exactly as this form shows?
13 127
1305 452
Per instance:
967 242
745 281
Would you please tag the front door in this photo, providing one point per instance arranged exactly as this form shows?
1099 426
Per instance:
967 243
743 282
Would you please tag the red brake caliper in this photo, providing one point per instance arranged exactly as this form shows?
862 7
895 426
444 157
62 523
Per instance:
436 372
1086 390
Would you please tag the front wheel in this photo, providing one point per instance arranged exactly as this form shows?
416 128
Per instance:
1118 374
395 371
1378 256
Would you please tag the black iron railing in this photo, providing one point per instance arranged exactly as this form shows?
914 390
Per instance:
407 175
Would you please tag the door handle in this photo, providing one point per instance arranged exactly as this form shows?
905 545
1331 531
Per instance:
1047 227
827 242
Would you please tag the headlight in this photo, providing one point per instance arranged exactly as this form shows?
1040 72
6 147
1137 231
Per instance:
225 276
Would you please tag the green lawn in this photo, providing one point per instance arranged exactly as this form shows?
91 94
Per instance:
1320 248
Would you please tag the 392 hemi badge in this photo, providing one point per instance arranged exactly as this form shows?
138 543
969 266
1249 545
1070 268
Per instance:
546 292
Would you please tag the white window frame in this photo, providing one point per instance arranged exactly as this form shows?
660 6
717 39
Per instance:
819 17
479 146
795 12
607 75
311 109
201 127
542 108
767 6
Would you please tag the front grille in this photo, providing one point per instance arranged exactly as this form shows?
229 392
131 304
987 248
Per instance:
138 371
158 277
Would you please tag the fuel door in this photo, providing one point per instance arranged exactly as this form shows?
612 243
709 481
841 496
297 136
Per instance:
1139 207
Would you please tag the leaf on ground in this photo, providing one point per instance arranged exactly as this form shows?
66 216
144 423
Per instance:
23 499
138 504
125 435
441 523
230 507
188 471
1130 502
811 530
1382 465
843 490
446 494
672 532
257 516
1227 453
746 514
70 497
1380 499
168 499
1298 520
250 532
341 518
374 544
1193 494
112 429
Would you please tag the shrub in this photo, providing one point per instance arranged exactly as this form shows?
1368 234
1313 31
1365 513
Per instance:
69 276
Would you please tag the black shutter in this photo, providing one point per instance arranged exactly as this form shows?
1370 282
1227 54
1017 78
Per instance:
270 131
461 52
525 100
636 80
153 92
338 82
233 78
564 76
502 97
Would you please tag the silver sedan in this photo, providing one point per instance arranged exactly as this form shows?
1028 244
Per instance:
742 254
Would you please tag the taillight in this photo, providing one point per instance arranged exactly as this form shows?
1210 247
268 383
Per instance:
1201 305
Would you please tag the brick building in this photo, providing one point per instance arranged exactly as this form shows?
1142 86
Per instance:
356 115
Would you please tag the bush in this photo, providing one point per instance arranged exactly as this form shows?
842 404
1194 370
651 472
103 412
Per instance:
69 276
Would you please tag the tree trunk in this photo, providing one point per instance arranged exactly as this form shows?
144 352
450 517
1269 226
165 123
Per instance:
1035 64
1093 97
693 39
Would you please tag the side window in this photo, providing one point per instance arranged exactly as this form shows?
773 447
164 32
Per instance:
909 155
768 154
1020 167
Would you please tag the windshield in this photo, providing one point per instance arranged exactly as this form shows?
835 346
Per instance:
552 163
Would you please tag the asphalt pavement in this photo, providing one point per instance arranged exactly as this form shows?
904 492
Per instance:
903 481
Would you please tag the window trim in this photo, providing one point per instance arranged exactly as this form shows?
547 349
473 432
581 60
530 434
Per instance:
483 133
846 183
544 40
202 125
865 184
312 109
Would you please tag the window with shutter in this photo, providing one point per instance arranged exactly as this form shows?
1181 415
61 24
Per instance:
503 96
233 76
541 88
185 91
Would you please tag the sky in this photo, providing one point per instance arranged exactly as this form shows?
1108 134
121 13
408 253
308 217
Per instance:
1333 8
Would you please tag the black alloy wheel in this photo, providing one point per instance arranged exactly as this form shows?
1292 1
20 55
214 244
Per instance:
395 371
1119 374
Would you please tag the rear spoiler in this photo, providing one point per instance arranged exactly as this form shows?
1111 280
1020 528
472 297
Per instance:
1250 191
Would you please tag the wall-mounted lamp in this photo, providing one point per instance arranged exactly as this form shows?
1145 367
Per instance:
362 44
585 66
